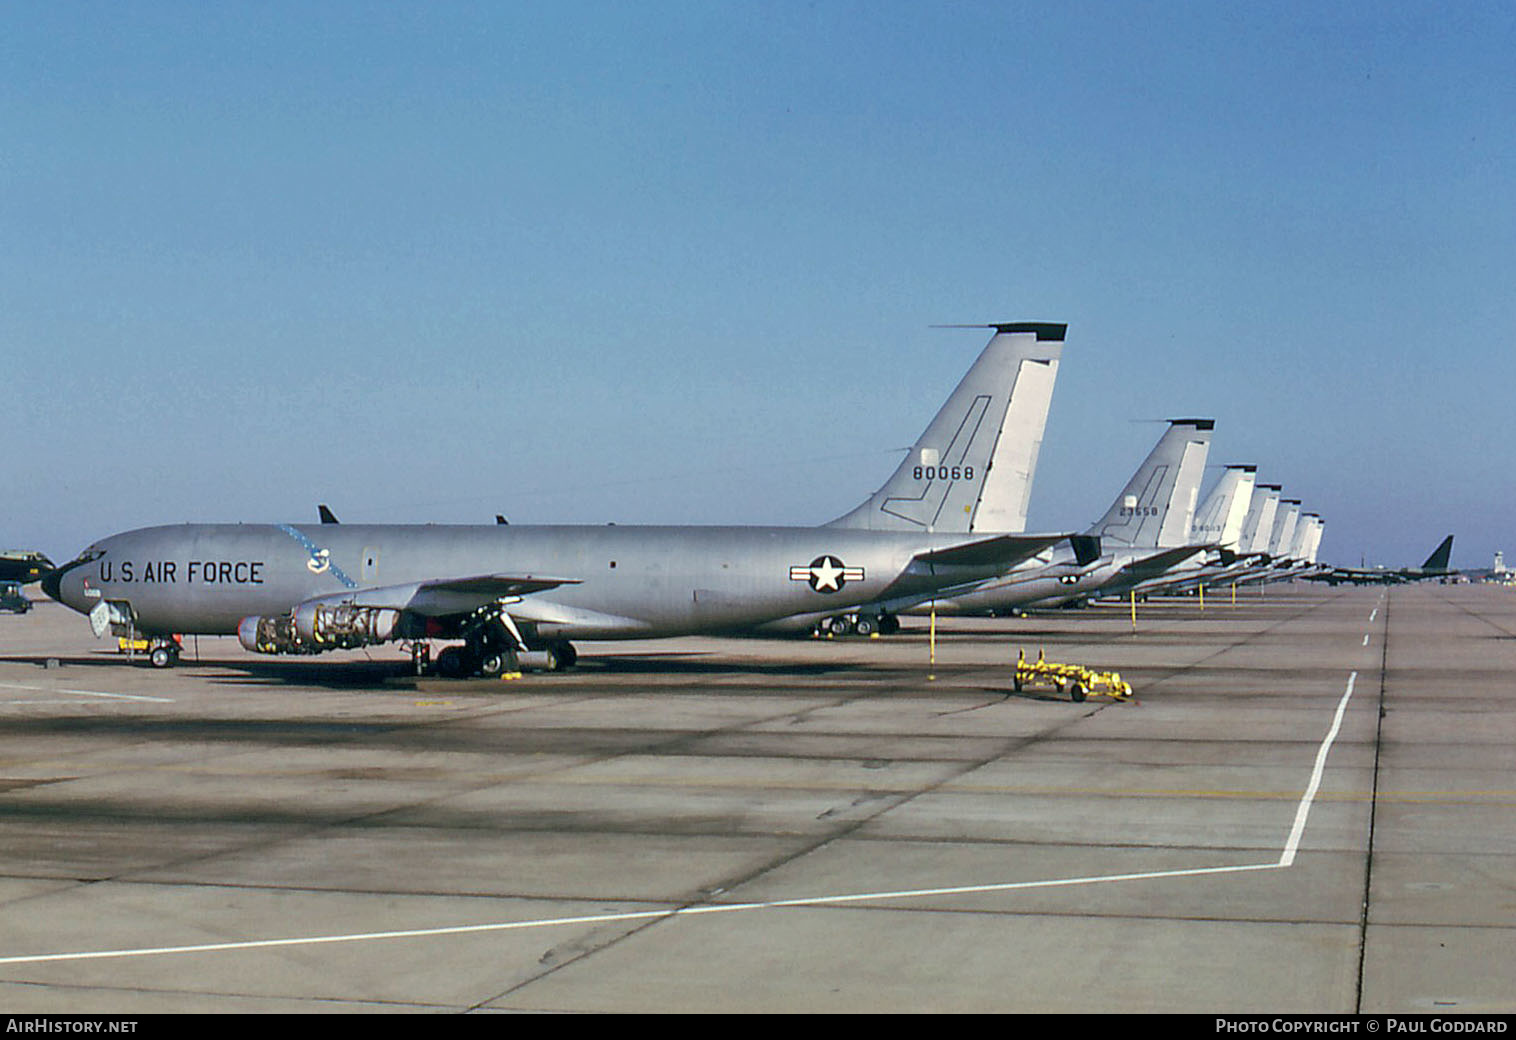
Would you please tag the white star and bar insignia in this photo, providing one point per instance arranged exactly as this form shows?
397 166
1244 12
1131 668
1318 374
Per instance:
826 574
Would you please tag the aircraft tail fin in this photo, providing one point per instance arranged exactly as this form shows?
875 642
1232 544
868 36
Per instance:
1219 521
1285 519
972 469
1297 549
1157 506
1259 522
1441 556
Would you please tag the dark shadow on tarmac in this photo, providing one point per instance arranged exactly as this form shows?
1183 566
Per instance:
392 674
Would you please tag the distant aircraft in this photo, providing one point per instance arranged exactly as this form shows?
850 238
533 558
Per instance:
1250 555
23 566
1435 566
1275 561
19 567
1302 556
503 589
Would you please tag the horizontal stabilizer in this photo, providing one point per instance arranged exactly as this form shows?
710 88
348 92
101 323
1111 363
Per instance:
1005 549
1086 549
1163 561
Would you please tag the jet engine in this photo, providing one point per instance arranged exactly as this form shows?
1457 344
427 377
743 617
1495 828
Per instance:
314 627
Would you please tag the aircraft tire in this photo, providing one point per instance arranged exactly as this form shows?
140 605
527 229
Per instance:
1076 692
451 663
889 624
162 657
839 626
492 664
865 625
561 656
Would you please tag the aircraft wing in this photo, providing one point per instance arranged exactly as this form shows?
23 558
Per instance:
444 596
373 615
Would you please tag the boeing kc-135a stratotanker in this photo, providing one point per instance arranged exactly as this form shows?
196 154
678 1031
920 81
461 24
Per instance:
1145 532
496 590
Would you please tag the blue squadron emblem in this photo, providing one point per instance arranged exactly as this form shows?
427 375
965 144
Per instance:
826 574
320 561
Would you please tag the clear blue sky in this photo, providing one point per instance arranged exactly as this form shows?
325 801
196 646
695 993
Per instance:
678 262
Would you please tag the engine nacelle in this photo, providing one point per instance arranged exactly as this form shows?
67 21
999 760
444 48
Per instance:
270 635
326 625
314 627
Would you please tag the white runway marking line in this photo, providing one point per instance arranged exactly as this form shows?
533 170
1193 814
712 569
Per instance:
82 693
1304 809
1286 859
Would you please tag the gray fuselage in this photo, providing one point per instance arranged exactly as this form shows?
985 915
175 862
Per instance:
620 581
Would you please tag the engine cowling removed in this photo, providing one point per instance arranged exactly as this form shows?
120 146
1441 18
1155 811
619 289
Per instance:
315 627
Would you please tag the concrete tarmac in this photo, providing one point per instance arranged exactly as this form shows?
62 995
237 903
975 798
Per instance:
1307 808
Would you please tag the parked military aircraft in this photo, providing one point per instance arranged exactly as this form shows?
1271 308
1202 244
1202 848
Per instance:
1435 566
998 505
1250 553
1299 559
19 567
1218 526
23 566
1273 560
501 589
1143 533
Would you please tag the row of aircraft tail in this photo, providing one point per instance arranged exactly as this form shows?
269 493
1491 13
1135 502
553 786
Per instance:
945 532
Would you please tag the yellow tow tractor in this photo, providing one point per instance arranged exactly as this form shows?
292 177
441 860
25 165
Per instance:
160 653
1078 680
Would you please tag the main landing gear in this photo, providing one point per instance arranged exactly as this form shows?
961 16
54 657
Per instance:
858 625
493 646
491 659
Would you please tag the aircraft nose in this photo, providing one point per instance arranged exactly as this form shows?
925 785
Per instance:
52 583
